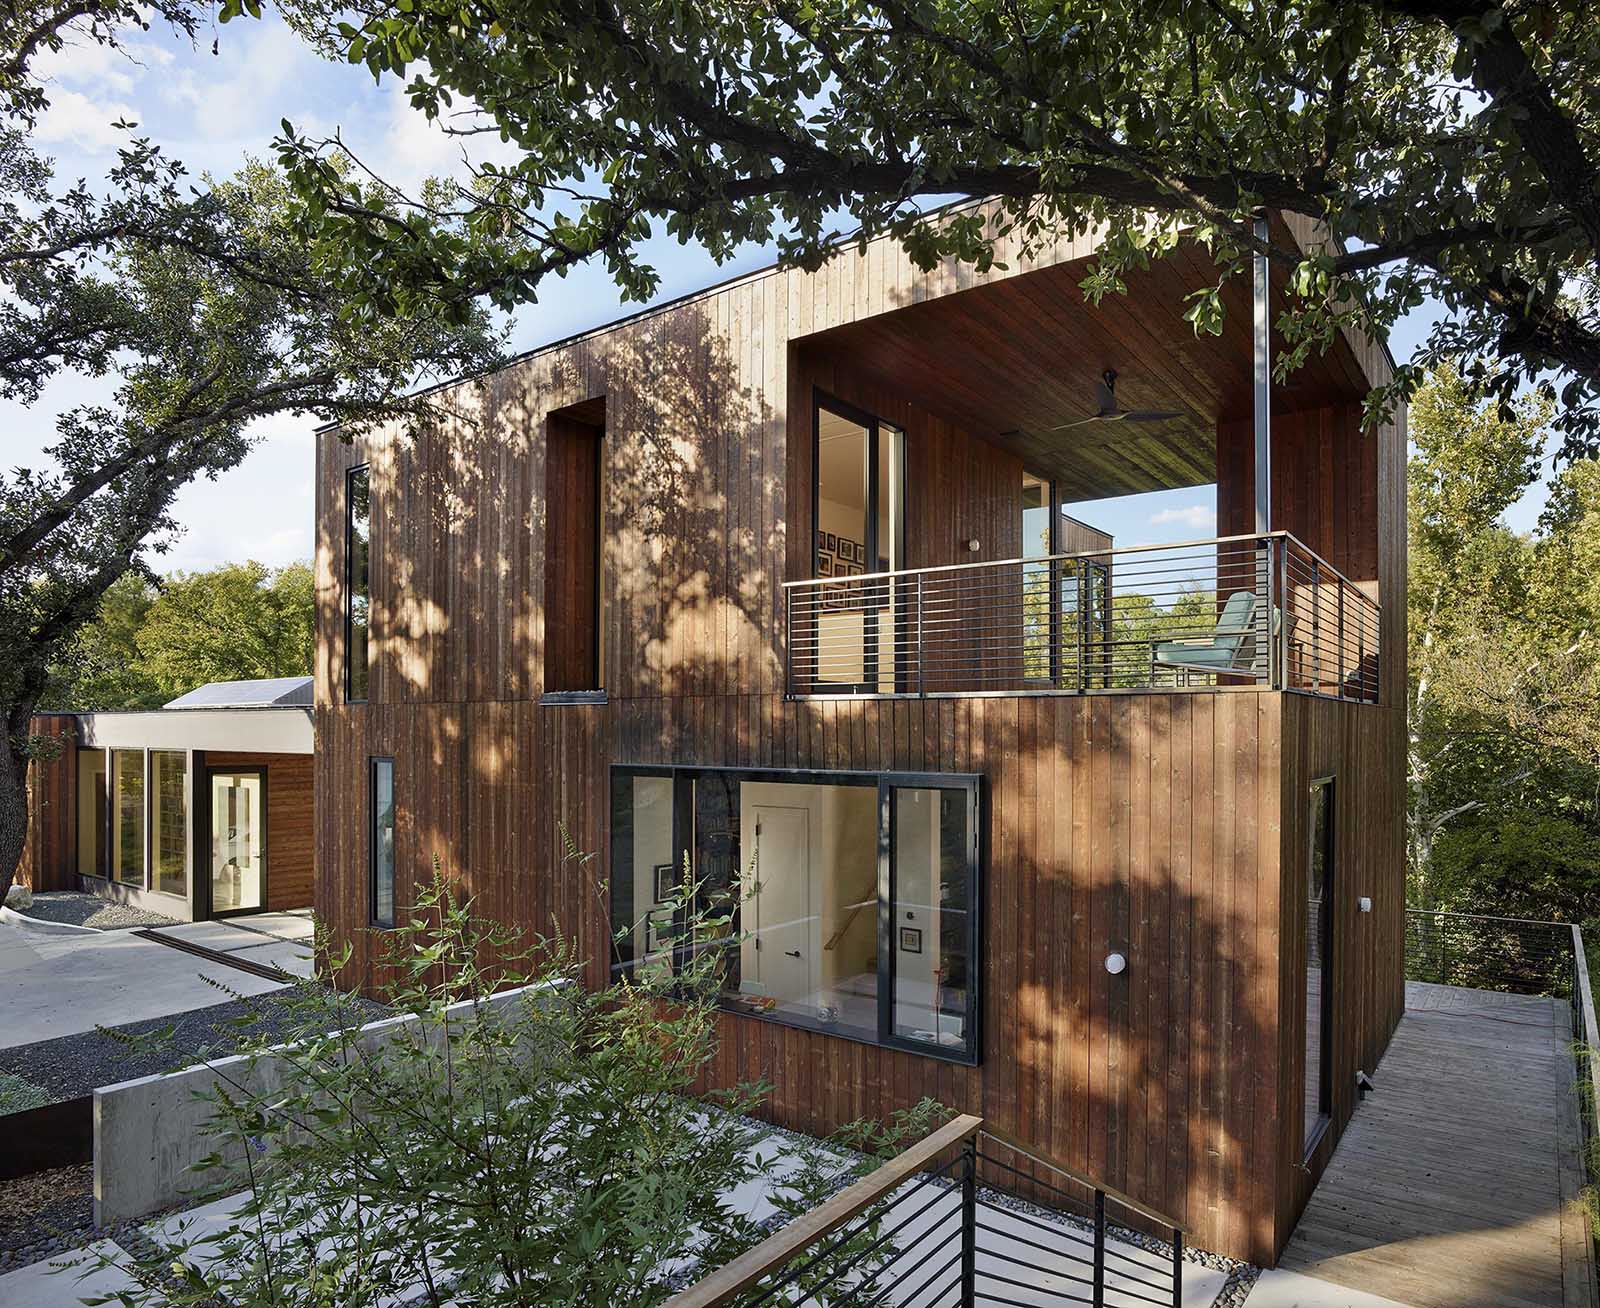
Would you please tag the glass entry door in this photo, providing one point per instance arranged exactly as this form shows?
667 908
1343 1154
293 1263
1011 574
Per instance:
238 842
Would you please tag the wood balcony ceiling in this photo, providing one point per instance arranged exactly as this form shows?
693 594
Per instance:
1014 360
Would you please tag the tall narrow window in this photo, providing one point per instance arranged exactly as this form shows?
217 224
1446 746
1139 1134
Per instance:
92 812
127 816
169 821
358 582
859 514
573 582
382 842
1318 995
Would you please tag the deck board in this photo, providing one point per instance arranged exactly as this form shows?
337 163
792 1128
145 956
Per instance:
1454 1186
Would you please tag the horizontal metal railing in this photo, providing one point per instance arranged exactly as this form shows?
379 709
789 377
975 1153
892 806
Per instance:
1518 956
920 1233
1236 611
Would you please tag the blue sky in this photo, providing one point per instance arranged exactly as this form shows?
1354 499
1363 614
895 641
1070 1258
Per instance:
212 110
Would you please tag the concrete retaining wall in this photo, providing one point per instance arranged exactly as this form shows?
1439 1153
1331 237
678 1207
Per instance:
150 1132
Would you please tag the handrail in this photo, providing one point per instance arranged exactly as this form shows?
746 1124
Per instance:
1584 1000
1327 567
1487 917
1055 1165
1252 537
783 1245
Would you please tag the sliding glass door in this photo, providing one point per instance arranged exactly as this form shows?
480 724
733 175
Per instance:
858 519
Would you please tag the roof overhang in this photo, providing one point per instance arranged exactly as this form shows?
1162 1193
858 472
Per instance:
240 731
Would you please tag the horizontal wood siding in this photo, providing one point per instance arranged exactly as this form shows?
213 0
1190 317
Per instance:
291 823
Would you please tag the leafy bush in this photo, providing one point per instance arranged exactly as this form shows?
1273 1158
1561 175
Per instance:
543 1149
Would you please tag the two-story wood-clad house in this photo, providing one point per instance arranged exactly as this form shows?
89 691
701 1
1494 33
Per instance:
1101 841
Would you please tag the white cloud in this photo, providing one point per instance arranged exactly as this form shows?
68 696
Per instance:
1199 517
75 120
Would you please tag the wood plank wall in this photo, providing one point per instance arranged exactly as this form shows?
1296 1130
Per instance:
1147 823
291 823
49 859
1363 749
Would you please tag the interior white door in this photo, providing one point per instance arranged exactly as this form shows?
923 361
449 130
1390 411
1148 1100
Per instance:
237 842
778 909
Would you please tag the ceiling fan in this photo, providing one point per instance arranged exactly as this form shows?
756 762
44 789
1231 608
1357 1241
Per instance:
1105 391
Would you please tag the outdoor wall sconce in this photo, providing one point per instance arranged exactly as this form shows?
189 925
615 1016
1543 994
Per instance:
974 545
1116 964
1364 903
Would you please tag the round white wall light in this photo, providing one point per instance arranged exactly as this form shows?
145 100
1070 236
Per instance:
1116 964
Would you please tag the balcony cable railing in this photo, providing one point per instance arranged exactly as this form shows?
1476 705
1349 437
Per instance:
920 1232
1234 612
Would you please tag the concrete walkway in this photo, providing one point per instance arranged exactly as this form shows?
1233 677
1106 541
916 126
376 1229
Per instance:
57 984
280 940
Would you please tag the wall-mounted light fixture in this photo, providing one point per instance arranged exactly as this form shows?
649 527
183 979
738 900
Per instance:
1116 964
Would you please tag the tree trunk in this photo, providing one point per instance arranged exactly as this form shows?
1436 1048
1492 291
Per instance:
13 797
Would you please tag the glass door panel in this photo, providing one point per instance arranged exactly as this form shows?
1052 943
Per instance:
1038 620
238 842
930 915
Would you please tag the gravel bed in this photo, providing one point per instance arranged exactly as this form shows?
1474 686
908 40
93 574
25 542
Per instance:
45 1214
74 1065
78 909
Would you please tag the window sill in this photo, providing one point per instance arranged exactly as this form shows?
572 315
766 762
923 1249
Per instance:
944 1054
556 698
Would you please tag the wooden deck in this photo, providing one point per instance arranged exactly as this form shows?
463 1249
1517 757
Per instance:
1456 1186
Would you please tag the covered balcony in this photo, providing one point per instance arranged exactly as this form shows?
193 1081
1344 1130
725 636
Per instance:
1238 612
940 450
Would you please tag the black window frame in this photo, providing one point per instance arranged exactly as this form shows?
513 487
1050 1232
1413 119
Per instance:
874 425
1325 924
350 697
373 920
886 782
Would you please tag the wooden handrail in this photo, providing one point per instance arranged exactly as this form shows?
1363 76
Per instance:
784 1245
1055 1165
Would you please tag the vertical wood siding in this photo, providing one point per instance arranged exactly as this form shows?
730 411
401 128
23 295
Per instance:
1152 824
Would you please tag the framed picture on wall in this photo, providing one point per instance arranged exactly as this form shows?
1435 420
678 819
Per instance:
830 542
658 931
824 565
910 940
666 878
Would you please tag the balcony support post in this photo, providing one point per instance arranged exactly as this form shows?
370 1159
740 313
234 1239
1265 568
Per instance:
1262 373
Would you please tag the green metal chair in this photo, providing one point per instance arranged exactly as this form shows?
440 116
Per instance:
1229 648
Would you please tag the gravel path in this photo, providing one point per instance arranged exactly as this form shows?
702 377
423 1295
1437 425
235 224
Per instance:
75 1064
78 909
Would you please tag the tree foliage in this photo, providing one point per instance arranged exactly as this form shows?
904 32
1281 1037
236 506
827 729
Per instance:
546 1151
1504 660
149 643
1448 145
201 303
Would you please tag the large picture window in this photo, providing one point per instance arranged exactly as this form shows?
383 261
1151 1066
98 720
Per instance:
358 582
127 816
848 902
382 842
169 821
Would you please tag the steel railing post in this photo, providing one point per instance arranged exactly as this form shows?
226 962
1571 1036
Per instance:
1341 640
788 641
1083 620
969 1226
1177 1268
1099 1249
1316 625
922 680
